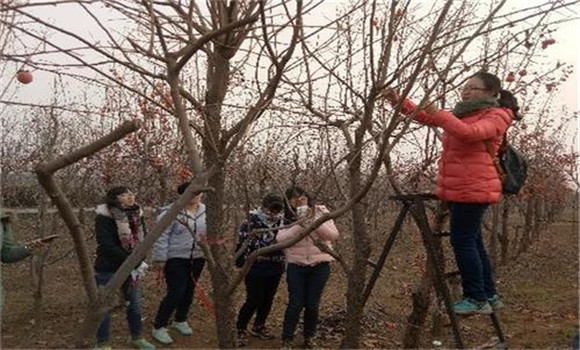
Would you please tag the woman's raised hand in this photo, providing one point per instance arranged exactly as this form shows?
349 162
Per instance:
430 107
390 95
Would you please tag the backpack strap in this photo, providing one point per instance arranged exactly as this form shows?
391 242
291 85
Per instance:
495 159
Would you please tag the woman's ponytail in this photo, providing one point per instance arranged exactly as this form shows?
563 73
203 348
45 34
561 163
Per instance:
507 99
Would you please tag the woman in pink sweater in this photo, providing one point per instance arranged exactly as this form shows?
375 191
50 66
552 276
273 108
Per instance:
308 266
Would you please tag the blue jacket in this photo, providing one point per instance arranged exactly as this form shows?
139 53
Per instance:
178 240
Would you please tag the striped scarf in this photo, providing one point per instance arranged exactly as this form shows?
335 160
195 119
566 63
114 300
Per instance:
129 226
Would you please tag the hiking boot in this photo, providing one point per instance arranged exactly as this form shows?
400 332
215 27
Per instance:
182 327
141 343
309 343
242 338
495 302
103 346
468 306
162 336
261 332
286 345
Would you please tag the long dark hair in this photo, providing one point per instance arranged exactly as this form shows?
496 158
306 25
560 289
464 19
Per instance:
505 98
292 192
273 202
508 100
111 197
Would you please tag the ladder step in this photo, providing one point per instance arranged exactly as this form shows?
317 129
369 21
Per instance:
372 263
414 196
451 274
442 234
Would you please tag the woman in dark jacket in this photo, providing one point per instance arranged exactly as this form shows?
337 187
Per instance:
258 231
120 227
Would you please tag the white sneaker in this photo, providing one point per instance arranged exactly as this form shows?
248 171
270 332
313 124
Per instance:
182 327
161 335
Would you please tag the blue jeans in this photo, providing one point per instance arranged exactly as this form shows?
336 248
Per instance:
305 286
132 293
470 254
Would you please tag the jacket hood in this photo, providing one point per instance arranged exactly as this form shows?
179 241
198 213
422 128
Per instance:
102 209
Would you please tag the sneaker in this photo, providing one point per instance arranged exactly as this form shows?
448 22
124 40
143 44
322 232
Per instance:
309 343
495 302
162 336
141 343
242 338
468 306
261 332
182 327
286 345
103 346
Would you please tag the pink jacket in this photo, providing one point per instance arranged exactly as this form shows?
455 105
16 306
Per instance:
305 252
466 170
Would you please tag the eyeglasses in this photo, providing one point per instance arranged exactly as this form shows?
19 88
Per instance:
471 88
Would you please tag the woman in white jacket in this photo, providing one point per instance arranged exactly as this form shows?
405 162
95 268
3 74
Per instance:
308 267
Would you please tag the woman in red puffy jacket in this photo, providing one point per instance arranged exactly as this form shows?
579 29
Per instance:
468 179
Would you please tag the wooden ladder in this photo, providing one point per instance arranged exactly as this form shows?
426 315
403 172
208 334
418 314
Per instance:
414 204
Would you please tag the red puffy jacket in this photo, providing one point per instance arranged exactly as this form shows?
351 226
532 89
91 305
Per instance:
466 170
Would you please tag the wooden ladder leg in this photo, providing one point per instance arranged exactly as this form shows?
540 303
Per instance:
378 266
420 217
498 331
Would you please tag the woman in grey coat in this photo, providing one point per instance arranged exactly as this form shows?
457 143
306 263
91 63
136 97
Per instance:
177 256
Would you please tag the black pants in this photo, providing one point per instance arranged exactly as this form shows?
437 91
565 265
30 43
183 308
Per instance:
179 276
260 292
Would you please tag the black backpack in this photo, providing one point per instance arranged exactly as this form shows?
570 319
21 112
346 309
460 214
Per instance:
511 166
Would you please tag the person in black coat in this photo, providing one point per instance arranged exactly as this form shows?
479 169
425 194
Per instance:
259 231
119 228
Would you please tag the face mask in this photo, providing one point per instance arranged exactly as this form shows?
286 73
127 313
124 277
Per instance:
302 211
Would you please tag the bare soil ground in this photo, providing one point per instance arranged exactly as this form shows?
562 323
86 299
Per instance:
539 288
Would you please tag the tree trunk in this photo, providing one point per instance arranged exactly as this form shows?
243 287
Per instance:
436 314
526 239
93 316
38 261
422 295
504 236
164 188
538 218
357 275
225 312
223 268
356 280
416 320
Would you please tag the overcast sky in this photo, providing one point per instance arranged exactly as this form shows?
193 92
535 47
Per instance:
566 48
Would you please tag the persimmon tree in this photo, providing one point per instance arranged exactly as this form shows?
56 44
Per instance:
160 43
203 84
372 46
